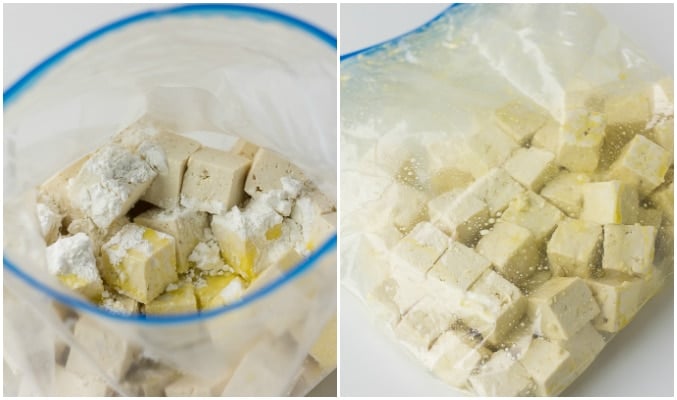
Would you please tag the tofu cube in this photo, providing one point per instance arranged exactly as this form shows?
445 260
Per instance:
502 375
56 190
663 134
266 170
547 136
419 249
629 249
497 188
317 227
324 348
512 249
422 324
139 262
642 163
186 226
618 298
119 303
580 140
449 178
99 236
396 295
244 149
460 215
533 212
583 347
549 366
485 149
459 266
109 183
627 109
407 205
566 192
49 219
612 202
532 167
69 384
561 307
456 358
175 300
520 121
664 199
575 248
208 290
214 180
71 259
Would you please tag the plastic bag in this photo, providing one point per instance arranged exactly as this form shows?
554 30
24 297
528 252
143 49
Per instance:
498 216
214 72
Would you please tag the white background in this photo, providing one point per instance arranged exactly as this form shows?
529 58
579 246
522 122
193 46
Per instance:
638 362
34 32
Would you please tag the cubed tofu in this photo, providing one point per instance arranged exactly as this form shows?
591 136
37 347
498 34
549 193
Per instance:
583 347
519 120
266 170
566 192
619 299
642 163
324 348
186 226
56 189
422 324
419 249
99 236
512 249
580 140
460 215
407 205
244 149
612 202
214 180
317 227
549 365
218 290
650 217
629 249
486 149
561 307
532 167
139 262
71 259
109 183
664 199
497 188
49 219
168 154
533 212
449 178
107 349
394 296
663 134
542 275
175 300
627 109
119 303
575 248
69 384
459 266
546 137
456 358
502 375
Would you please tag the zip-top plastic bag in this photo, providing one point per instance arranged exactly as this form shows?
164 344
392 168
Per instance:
507 191
212 72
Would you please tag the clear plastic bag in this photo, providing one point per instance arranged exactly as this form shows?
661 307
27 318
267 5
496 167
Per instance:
215 72
481 156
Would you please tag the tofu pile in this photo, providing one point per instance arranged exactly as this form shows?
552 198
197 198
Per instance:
154 222
508 269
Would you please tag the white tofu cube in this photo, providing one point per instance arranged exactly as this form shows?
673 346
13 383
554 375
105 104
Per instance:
456 357
533 212
109 183
618 298
549 366
580 140
642 163
532 167
566 192
460 215
407 205
459 266
49 219
629 249
422 324
396 295
99 236
612 202
419 249
178 300
664 199
627 109
317 228
519 120
69 384
56 190
502 376
119 303
497 188
186 226
244 149
486 149
267 168
583 347
71 259
561 307
449 178
575 248
512 249
546 138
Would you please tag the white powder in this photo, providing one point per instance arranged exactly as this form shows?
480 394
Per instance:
233 291
129 237
154 155
213 206
282 200
206 256
49 219
73 255
291 186
134 135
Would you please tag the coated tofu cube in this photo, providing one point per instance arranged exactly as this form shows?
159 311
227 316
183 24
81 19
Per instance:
316 227
71 260
561 307
546 138
532 167
629 249
49 219
664 199
105 347
612 202
324 348
244 149
642 163
175 300
422 324
69 384
419 249
214 180
650 217
186 226
512 249
566 192
533 212
456 358
56 189
460 215
119 303
575 248
618 298
580 140
394 296
208 291
446 179
109 183
627 109
583 347
520 121
485 150
99 236
168 154
549 366
266 170
459 266
139 262
497 188
502 375
408 205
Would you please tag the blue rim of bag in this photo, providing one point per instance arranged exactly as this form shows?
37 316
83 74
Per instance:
228 10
